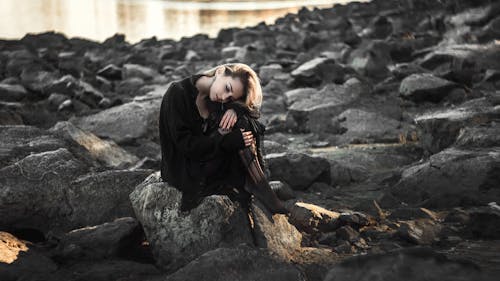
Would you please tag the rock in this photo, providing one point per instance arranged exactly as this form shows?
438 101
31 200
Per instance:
129 87
34 191
480 136
274 232
360 126
66 85
315 262
317 71
267 72
55 100
314 114
413 213
299 94
96 198
20 260
357 163
344 248
298 170
176 237
420 231
103 270
88 94
270 147
282 190
123 123
311 218
106 152
37 81
20 141
100 241
457 215
425 87
439 129
139 71
379 28
403 70
111 72
347 233
484 222
354 219
12 92
239 263
408 264
454 177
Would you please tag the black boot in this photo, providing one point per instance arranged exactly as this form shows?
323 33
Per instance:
257 184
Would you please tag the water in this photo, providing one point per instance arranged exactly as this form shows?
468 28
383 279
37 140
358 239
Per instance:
100 19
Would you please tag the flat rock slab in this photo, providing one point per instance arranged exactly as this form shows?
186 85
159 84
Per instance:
425 87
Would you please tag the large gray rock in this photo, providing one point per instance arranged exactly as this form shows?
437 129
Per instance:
12 92
425 87
314 113
33 191
124 123
318 70
360 126
100 241
139 71
106 152
453 177
96 198
408 264
480 136
239 263
20 141
274 232
440 128
177 237
298 170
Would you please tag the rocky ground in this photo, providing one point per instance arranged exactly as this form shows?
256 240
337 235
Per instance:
383 138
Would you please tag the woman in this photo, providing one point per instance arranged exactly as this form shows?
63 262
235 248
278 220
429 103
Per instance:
207 127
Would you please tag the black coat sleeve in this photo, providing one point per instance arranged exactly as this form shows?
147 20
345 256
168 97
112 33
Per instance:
180 128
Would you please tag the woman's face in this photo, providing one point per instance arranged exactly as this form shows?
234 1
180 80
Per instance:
225 89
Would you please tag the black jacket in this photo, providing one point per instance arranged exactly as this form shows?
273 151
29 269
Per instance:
184 143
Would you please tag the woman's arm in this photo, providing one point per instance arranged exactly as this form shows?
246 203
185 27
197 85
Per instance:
194 146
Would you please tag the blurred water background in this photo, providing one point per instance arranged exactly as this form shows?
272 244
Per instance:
138 19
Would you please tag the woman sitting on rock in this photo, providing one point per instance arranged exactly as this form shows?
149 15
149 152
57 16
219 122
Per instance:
210 137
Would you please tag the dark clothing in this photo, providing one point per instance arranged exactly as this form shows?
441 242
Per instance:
196 158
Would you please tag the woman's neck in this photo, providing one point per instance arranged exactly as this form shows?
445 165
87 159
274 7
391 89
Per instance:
203 85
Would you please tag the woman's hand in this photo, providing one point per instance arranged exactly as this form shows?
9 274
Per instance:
247 137
228 120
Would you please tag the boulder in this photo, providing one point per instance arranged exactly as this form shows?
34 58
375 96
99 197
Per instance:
420 231
96 198
484 222
425 87
111 72
407 264
177 238
239 263
12 92
317 71
298 170
267 72
312 218
454 177
487 135
360 126
19 141
314 113
106 152
123 123
34 191
274 232
439 129
138 71
98 242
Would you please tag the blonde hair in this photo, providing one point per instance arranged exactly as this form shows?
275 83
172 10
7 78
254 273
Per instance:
252 91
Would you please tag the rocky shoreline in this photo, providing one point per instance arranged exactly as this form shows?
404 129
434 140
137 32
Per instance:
382 136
